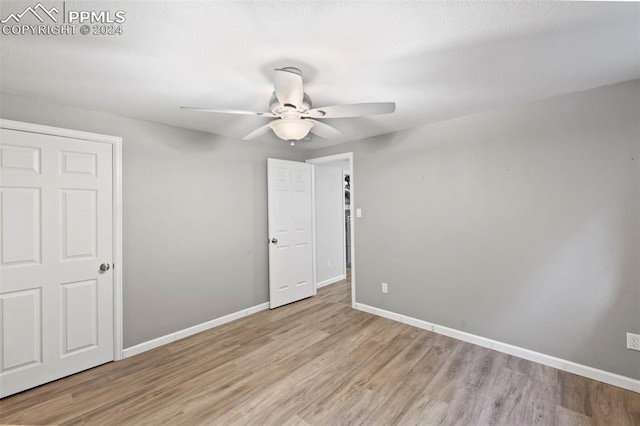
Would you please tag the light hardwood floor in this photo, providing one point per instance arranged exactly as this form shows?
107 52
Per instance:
320 362
339 292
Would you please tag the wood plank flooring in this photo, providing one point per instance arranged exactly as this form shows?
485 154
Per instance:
320 362
339 292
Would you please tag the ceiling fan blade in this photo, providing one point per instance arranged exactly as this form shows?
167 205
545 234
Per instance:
324 130
231 111
287 84
353 110
258 132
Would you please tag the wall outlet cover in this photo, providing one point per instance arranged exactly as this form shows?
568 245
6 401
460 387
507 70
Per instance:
633 341
385 288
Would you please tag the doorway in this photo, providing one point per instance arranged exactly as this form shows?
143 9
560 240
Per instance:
346 180
333 230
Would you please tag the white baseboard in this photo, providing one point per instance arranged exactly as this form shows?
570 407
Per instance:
151 344
551 361
331 281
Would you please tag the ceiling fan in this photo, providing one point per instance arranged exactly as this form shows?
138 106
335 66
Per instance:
294 116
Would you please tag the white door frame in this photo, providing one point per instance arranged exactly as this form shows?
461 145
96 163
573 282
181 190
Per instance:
116 143
331 159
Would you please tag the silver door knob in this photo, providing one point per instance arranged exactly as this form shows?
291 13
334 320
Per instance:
274 241
105 267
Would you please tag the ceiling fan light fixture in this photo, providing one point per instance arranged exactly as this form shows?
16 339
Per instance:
294 116
291 129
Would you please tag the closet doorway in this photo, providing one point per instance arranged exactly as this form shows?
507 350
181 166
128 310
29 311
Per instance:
333 230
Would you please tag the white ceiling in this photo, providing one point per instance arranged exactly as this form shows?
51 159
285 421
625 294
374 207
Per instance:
435 60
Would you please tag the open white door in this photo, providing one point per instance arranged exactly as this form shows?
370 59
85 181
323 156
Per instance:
290 233
56 251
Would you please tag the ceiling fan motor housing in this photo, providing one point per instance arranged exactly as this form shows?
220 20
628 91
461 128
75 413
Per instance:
276 108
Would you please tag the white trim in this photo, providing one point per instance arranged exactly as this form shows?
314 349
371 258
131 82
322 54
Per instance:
330 159
55 131
154 343
331 281
314 266
352 204
118 261
117 209
551 361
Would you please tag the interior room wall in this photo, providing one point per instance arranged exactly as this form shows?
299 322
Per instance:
520 225
329 204
195 222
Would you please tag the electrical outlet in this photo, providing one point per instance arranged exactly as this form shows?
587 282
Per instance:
328 263
633 341
385 288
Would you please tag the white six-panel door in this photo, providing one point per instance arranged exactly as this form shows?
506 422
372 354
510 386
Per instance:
290 233
56 306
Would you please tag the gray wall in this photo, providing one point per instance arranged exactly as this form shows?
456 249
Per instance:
195 223
518 225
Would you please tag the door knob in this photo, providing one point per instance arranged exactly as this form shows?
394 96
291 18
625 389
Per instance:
105 267
274 241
